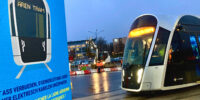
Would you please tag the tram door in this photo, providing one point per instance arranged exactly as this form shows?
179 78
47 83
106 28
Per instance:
181 61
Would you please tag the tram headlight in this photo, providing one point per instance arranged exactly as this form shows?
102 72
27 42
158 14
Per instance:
139 75
123 73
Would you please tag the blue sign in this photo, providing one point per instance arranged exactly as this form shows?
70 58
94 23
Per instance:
33 45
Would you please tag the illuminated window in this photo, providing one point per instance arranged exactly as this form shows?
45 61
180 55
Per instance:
78 46
115 40
79 55
77 49
72 47
83 45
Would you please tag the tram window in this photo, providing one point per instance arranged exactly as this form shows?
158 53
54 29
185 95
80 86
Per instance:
158 54
36 27
181 49
194 47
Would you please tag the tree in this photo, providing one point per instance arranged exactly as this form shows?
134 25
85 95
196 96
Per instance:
102 44
110 48
89 49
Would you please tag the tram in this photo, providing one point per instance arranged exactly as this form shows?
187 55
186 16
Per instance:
162 53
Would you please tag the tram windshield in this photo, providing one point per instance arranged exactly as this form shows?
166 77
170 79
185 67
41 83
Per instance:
137 47
33 22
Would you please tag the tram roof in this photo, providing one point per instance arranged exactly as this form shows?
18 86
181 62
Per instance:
167 21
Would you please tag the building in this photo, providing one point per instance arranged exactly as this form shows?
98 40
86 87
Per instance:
118 45
78 49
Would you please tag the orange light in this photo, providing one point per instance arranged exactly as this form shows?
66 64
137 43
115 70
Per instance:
141 31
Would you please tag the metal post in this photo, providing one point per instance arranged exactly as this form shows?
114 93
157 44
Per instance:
21 71
48 67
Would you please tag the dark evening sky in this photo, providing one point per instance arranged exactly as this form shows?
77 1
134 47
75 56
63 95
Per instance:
114 17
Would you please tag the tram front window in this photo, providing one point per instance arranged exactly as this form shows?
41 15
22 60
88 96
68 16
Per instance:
137 50
33 22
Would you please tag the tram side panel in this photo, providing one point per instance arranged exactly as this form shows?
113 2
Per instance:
183 65
154 73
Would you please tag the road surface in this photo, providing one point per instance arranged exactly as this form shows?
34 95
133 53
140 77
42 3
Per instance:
106 86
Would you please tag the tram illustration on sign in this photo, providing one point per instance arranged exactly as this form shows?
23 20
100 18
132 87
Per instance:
30 32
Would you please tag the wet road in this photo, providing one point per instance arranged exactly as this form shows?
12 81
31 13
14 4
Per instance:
106 86
95 83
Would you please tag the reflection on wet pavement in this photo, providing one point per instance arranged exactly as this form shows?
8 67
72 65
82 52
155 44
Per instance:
106 86
96 83
100 82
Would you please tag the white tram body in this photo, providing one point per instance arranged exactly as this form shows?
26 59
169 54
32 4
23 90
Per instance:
169 55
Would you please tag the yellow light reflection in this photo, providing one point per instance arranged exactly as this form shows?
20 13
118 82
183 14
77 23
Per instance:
141 31
105 81
100 82
104 74
96 86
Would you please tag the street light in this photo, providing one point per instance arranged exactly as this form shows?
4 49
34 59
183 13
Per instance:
96 32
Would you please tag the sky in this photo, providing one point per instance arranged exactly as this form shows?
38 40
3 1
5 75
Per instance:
114 17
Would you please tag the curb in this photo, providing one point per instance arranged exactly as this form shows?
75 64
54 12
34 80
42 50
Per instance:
85 72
